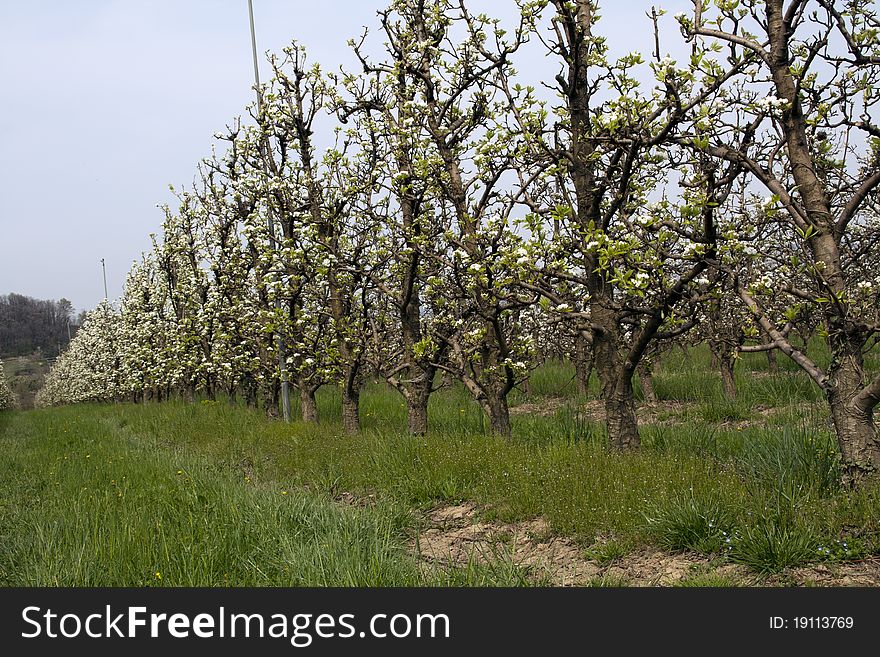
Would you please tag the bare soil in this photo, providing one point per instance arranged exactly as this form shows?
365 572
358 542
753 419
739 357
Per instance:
457 535
546 407
594 410
665 413
857 573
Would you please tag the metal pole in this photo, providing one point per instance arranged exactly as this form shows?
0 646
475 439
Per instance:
254 53
104 269
282 352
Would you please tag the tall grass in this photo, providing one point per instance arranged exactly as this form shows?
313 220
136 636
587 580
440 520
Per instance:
213 493
87 502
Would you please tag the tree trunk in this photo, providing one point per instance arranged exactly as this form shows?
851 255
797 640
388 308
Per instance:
583 365
271 400
499 416
772 365
605 343
615 377
584 371
307 402
728 382
646 379
417 406
722 350
854 423
858 441
620 415
250 392
351 398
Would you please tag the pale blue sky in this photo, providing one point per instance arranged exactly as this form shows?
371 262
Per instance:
104 103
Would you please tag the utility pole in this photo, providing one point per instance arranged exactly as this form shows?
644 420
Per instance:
282 352
104 269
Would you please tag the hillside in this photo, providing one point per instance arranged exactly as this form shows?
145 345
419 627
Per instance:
25 375
29 325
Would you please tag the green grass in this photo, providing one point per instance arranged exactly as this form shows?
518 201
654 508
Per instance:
689 522
773 543
215 494
86 500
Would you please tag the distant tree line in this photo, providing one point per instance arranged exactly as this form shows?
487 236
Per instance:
28 325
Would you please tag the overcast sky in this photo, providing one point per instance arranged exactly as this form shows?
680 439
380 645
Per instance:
104 103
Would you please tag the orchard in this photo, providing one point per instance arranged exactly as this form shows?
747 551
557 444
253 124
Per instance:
432 219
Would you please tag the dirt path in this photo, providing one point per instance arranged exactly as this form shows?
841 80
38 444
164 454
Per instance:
456 535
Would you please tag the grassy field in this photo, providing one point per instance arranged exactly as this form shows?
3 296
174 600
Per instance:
215 494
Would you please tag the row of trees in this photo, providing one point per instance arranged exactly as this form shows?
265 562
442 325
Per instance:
463 225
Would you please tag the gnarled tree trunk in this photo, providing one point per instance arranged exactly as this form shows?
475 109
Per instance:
616 379
852 411
728 382
499 415
583 364
417 400
351 400
308 405
620 415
